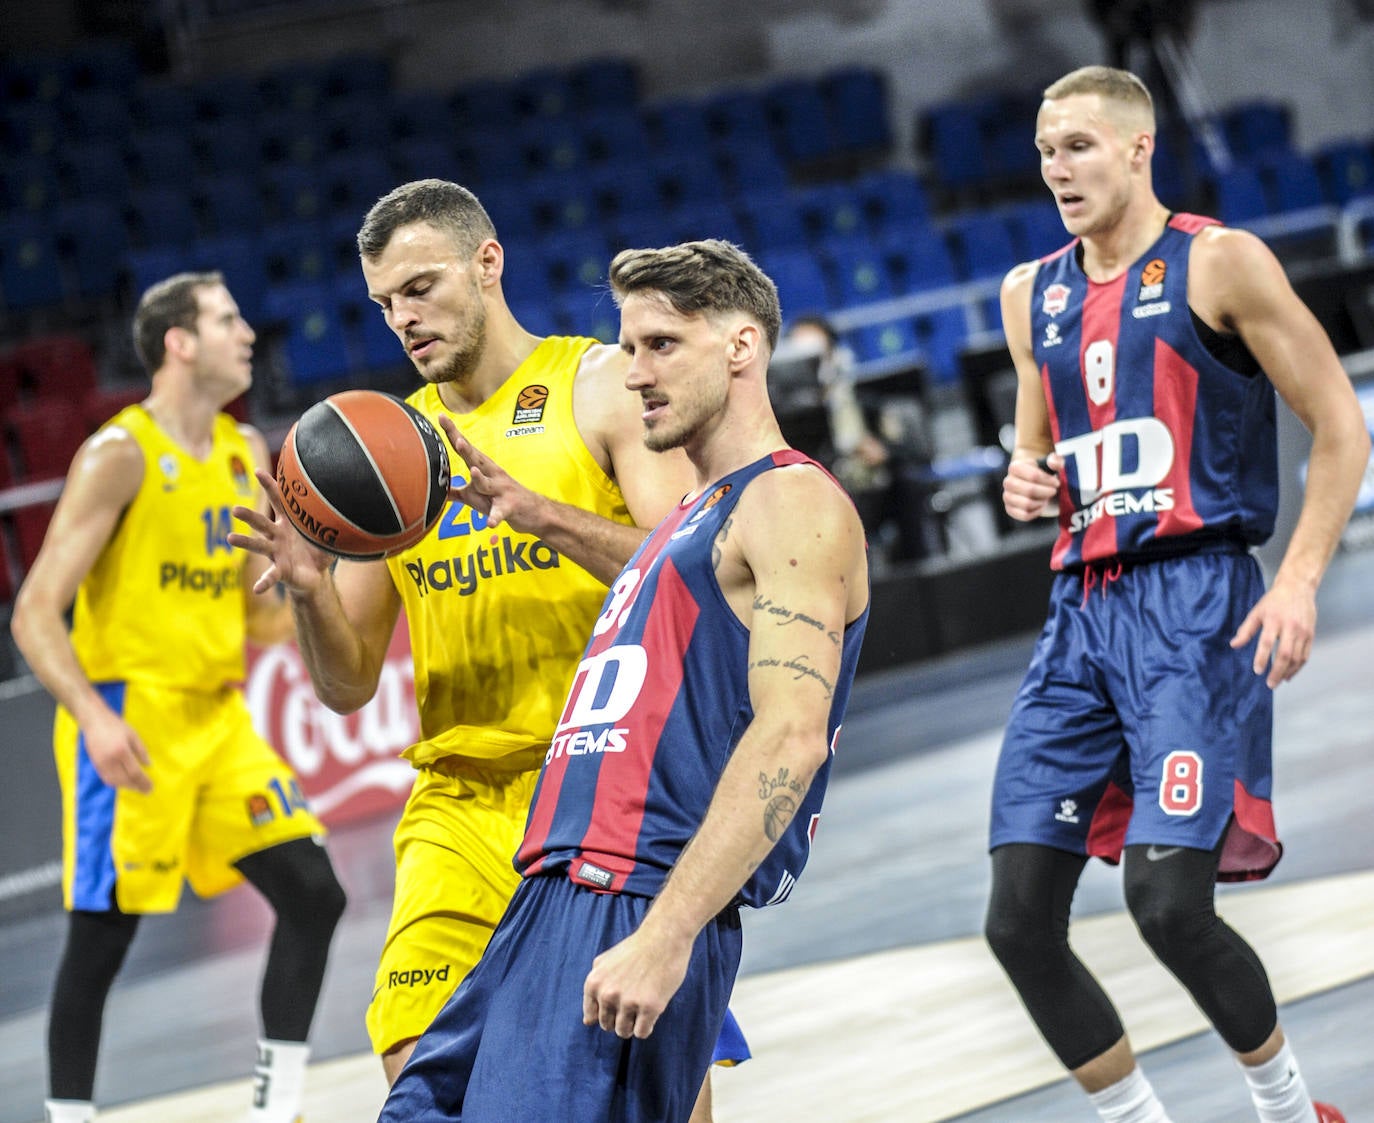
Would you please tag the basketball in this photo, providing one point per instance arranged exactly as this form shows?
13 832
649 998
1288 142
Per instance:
363 474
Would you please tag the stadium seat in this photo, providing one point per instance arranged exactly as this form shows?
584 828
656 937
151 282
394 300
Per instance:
30 273
31 129
797 111
486 104
350 182
891 196
705 220
800 279
226 97
942 336
981 245
684 180
1256 128
228 204
97 113
738 118
314 347
604 83
544 91
91 242
857 100
858 271
430 157
232 146
877 342
952 138
162 215
919 260
774 221
158 105
575 259
585 310
292 193
28 183
831 210
94 168
679 125
47 432
1036 228
623 188
410 114
1292 181
162 157
292 87
613 136
103 403
354 124
287 138
355 74
1239 194
296 251
1346 168
373 341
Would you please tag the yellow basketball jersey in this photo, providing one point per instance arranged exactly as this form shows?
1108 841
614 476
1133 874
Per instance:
498 619
164 601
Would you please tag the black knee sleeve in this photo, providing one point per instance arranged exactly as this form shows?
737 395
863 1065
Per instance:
1172 899
96 945
1027 929
298 881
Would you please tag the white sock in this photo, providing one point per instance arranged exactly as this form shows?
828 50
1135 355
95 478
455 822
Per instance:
279 1081
1278 1090
1129 1100
68 1111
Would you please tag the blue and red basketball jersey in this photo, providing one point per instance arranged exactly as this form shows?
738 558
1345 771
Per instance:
657 706
1161 440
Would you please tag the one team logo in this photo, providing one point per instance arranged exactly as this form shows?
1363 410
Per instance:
1055 299
1152 280
239 470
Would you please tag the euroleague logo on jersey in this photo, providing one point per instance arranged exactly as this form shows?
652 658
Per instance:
529 405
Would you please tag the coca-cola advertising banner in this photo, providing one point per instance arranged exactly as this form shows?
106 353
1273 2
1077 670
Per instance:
349 765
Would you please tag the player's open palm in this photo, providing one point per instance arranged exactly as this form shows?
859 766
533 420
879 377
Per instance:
630 984
490 490
1285 620
116 752
292 560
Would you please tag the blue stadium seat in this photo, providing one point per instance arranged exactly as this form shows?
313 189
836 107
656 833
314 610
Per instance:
575 259
314 342
294 87
952 137
1292 181
94 169
424 157
163 157
705 220
296 250
800 279
1346 168
604 83
354 124
831 210
232 146
146 265
30 274
552 145
161 215
486 104
162 105
350 182
356 75
544 91
920 260
292 193
1256 128
773 220
1239 194
942 336
981 245
876 342
628 187
801 124
688 179
226 97
641 229
240 258
229 204
417 113
494 156
613 136
1036 228
371 338
98 113
738 117
752 170
290 138
561 204
585 310
857 101
28 183
102 63
859 272
892 196
678 125
91 242
32 129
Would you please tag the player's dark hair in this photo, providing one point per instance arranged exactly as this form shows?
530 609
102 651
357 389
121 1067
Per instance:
444 205
172 303
706 276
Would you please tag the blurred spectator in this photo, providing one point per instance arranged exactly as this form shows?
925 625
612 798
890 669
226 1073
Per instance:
877 459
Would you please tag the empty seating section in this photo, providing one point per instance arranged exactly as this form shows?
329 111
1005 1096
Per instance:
112 180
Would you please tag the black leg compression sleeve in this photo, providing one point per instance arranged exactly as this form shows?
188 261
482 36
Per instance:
1172 901
298 881
96 945
1028 930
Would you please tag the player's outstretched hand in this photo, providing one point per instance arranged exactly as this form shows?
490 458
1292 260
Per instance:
117 753
1030 486
1285 619
298 565
630 984
490 490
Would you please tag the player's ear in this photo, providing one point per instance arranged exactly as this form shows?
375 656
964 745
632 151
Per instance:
491 261
745 341
178 342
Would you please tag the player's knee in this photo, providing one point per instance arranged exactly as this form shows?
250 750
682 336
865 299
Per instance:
97 943
299 882
1020 940
1176 928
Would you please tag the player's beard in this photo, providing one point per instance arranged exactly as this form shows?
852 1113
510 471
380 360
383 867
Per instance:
467 351
690 409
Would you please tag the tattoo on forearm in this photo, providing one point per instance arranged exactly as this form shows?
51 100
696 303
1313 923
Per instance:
777 814
783 781
786 616
801 669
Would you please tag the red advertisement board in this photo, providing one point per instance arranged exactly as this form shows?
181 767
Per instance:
349 765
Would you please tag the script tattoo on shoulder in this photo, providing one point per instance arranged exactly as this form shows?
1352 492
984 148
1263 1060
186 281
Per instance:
784 616
781 795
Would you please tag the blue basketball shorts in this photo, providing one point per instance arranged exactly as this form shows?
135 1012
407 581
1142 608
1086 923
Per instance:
1136 723
510 1043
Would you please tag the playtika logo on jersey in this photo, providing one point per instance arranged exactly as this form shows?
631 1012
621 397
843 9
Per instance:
501 556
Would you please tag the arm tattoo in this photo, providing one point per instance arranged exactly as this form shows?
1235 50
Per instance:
719 540
782 794
801 669
785 616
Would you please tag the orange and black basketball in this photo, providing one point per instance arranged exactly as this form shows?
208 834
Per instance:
364 475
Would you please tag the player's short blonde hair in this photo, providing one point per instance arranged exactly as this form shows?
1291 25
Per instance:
1122 93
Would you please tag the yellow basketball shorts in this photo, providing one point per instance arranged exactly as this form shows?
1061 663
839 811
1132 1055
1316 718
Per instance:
220 792
454 845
